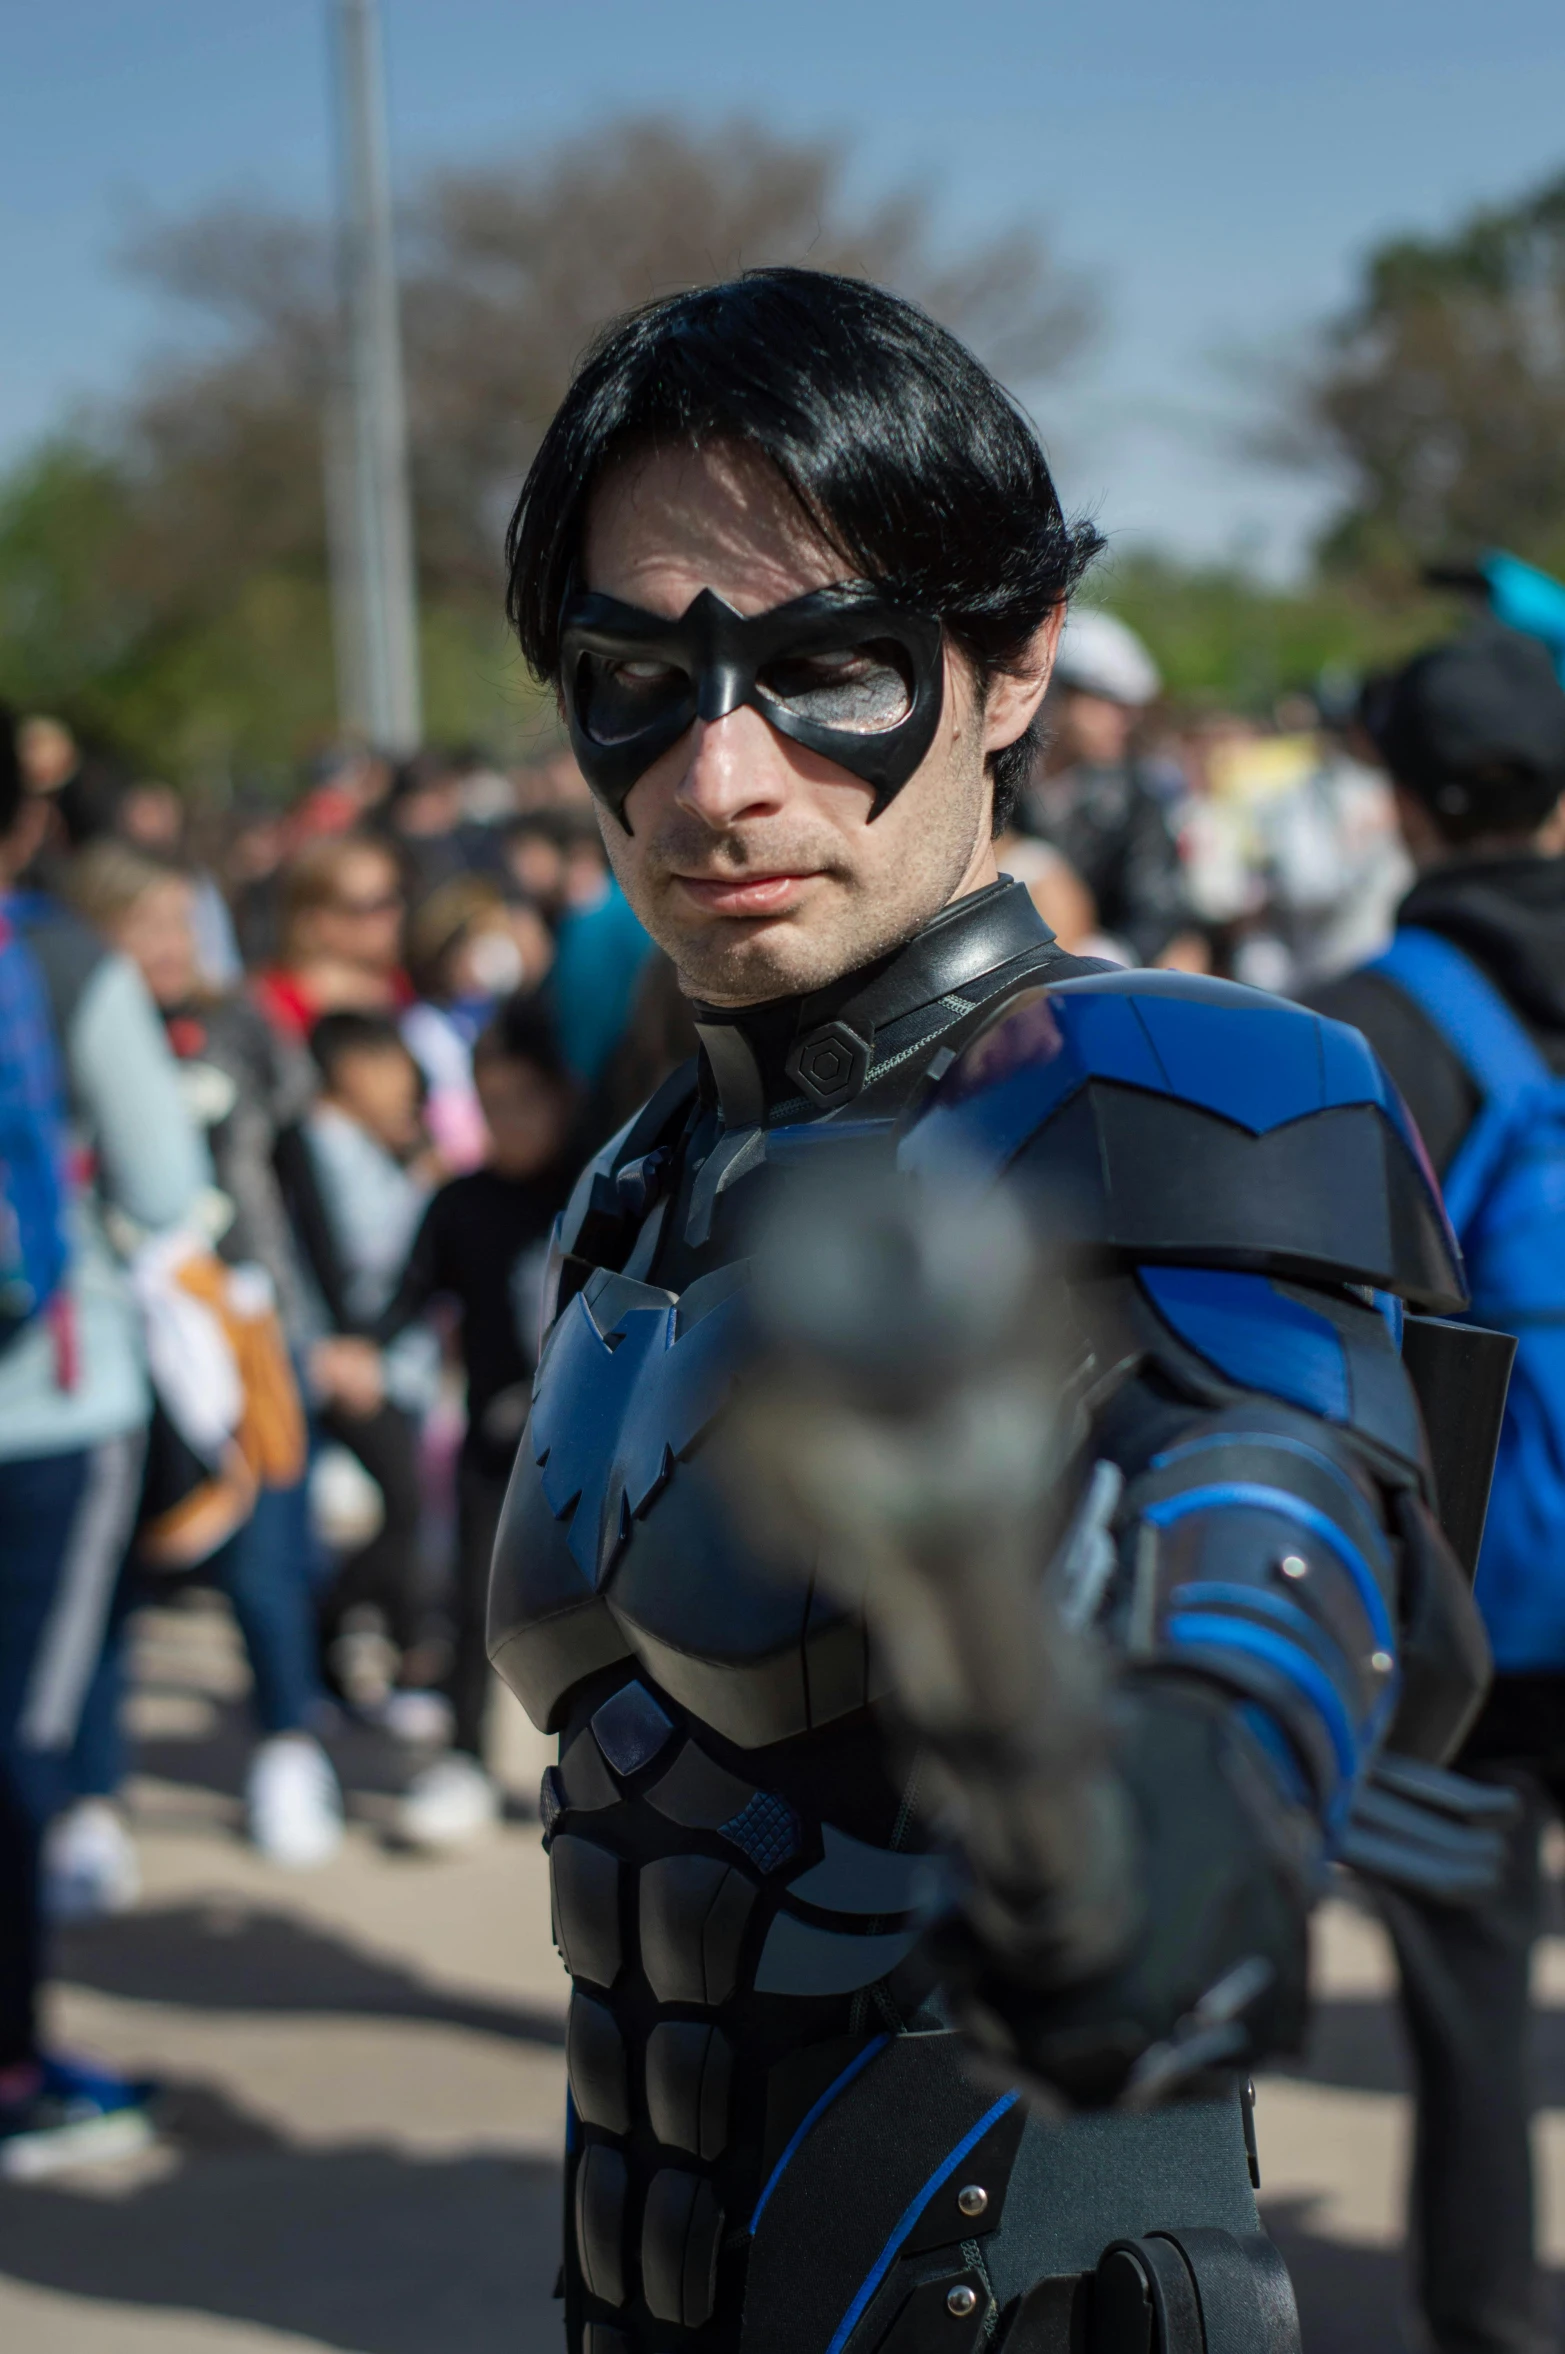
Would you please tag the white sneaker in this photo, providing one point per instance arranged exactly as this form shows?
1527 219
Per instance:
89 1863
293 1805
422 1719
449 1804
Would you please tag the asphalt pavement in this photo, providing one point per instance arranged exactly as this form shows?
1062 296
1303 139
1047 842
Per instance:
365 2081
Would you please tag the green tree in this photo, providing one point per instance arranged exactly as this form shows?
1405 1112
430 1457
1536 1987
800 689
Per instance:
1439 395
167 583
1223 639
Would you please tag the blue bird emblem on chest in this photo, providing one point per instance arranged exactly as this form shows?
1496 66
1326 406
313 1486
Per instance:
617 1405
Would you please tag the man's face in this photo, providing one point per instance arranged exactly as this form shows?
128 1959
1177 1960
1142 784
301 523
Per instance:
751 859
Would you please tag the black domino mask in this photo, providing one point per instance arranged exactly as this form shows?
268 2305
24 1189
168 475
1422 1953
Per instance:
842 671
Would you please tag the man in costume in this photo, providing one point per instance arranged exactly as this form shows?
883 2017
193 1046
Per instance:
796 568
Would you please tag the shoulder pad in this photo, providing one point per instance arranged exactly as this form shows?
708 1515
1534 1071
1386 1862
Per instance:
1172 1118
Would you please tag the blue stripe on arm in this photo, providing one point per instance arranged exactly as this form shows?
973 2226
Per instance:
1228 1495
1213 1631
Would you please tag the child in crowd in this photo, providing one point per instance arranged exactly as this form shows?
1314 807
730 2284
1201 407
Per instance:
468 947
483 1244
358 1172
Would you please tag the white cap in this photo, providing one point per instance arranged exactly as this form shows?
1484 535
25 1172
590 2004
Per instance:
1100 656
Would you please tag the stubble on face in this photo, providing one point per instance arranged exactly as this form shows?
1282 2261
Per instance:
735 803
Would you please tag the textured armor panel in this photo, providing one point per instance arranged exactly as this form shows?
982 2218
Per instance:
595 2064
698 1793
854 1878
798 1958
585 1881
681 2231
765 1829
694 1912
600 2221
631 1729
689 2068
585 1781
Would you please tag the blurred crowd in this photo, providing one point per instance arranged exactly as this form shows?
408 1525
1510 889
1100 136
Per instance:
326 1070
393 1017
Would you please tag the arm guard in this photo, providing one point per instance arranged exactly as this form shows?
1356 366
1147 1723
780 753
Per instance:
1245 1206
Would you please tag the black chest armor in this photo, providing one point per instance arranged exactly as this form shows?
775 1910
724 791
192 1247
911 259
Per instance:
738 1883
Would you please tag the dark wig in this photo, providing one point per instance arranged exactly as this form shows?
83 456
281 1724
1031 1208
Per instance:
901 449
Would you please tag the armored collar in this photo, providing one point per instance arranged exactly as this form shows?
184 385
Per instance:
801 1055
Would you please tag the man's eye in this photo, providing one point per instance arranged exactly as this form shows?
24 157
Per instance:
619 695
642 674
864 689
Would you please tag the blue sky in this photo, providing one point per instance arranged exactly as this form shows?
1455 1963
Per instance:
1215 168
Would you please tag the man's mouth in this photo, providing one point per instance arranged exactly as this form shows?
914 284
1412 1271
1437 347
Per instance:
753 895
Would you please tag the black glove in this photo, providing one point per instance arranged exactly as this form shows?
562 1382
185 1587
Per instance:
1215 1973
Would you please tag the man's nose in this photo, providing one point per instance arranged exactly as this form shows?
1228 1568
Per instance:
736 768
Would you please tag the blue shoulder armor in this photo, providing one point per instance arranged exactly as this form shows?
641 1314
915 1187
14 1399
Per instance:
1176 1120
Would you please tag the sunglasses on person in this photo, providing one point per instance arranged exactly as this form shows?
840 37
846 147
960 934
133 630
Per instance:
843 671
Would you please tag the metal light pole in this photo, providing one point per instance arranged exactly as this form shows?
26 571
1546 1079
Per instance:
369 510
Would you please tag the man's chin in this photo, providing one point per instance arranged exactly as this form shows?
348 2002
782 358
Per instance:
746 963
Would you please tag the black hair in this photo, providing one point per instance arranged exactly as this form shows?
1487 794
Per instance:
339 1034
522 1030
898 444
1475 730
11 789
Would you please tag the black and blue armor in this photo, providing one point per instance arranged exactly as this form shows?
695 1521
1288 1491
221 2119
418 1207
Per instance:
779 2143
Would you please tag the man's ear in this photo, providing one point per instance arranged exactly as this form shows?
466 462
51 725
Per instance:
1012 702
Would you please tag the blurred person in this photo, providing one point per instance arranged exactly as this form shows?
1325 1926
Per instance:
244 1088
74 1409
488 796
1095 801
468 946
555 856
600 951
81 793
1467 1012
155 818
340 935
555 859
425 817
48 752
255 848
483 1245
554 782
358 1173
346 786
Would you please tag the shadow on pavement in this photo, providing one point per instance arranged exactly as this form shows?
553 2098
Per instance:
359 2248
226 1955
1352 2300
1359 2045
